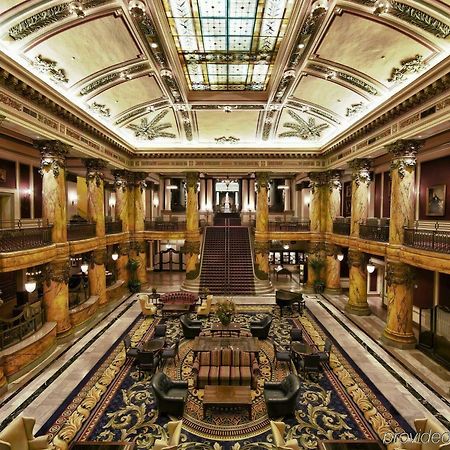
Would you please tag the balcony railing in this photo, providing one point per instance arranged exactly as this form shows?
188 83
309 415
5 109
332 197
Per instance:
24 235
113 227
292 225
19 327
341 227
77 231
433 240
378 233
152 225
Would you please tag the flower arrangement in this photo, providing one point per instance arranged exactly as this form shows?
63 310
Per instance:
225 311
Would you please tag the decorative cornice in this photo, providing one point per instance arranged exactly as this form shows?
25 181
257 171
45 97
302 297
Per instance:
187 124
53 155
399 273
262 180
229 155
361 170
94 170
227 140
404 153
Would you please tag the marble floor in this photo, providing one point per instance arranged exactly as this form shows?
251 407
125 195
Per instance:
413 393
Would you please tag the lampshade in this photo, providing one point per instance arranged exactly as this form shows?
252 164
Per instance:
370 267
286 246
340 257
115 256
84 267
30 285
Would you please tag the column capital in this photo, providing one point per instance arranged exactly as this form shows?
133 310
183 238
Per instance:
53 154
94 170
137 246
399 273
404 154
124 248
357 259
361 170
191 247
98 257
138 180
332 249
121 179
334 179
262 246
191 180
262 180
315 247
317 179
58 271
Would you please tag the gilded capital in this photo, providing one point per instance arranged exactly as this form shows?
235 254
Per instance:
121 179
95 170
334 179
137 246
138 179
317 179
58 271
124 249
53 155
361 170
399 273
315 247
357 259
192 180
262 180
98 257
332 249
404 154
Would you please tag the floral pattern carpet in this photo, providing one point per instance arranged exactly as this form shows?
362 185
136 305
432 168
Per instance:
112 404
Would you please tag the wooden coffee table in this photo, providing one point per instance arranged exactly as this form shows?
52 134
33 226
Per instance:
233 326
228 396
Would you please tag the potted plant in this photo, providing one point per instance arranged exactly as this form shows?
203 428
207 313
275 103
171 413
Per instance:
317 265
225 311
134 285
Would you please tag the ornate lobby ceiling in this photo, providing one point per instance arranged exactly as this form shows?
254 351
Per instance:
282 75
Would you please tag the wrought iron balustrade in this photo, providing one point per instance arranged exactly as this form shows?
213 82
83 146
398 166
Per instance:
156 225
23 235
299 225
378 233
78 231
342 228
113 227
432 240
17 328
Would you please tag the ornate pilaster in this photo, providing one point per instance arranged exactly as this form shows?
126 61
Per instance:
333 269
317 210
403 166
95 193
53 160
399 323
121 182
56 294
97 275
357 299
360 192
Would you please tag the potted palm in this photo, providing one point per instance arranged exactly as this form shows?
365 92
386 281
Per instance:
225 311
317 265
134 285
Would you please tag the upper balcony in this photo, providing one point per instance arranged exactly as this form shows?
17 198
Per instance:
77 231
374 229
24 234
434 237
113 227
341 225
161 225
292 225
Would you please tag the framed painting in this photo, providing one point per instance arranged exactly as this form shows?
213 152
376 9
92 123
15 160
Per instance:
436 196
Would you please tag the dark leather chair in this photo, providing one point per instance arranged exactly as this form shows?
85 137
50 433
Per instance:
191 328
261 329
131 352
160 331
296 335
281 354
310 364
170 395
325 354
281 397
170 352
147 361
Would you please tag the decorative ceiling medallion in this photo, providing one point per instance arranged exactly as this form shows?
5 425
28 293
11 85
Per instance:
111 77
99 109
228 45
227 140
153 129
324 114
408 67
302 129
48 67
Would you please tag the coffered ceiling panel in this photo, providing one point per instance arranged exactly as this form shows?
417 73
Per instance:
327 94
123 96
368 46
88 47
241 125
7 4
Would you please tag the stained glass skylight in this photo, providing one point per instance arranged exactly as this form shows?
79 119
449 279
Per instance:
228 45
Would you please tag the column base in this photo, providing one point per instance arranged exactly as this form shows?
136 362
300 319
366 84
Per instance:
402 341
360 310
335 291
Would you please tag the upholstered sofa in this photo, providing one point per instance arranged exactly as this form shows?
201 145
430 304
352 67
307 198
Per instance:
18 435
179 297
226 367
226 333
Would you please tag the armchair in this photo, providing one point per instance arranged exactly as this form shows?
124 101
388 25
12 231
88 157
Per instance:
148 309
261 329
173 437
281 397
325 354
205 308
170 395
18 435
278 429
191 328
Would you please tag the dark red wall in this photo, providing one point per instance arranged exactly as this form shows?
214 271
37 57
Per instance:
387 195
24 191
377 199
7 170
347 199
444 289
433 173
423 288
37 193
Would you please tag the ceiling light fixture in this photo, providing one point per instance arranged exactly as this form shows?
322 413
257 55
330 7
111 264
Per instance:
154 45
84 267
286 246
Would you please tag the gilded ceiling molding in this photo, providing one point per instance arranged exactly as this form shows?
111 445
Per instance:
187 124
343 76
48 67
408 66
230 155
315 110
101 110
123 75
268 121
302 129
49 16
355 109
233 107
152 129
134 113
227 140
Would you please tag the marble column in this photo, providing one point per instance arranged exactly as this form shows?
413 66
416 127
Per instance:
192 242
56 294
360 192
357 299
317 212
398 331
121 180
122 261
332 269
138 192
53 158
262 225
403 166
315 256
97 275
137 252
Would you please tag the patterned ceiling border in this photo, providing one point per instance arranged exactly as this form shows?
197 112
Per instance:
233 107
135 113
49 16
315 110
224 155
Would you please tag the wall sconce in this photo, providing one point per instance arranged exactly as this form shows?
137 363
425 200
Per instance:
171 187
340 257
370 267
307 200
115 255
84 267
28 192
286 246
73 197
155 201
112 200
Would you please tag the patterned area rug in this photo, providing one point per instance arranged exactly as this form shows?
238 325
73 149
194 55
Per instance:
112 404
